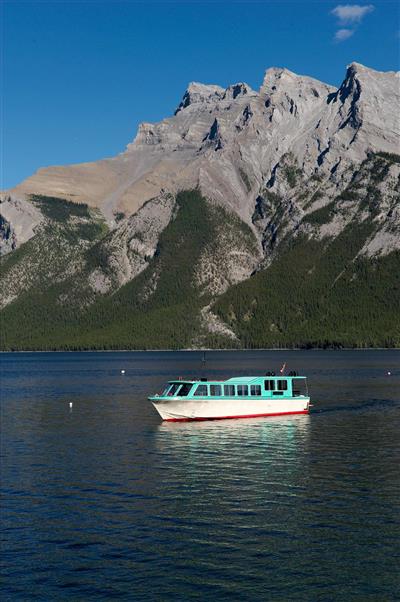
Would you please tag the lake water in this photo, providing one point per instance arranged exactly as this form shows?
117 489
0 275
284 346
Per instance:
104 501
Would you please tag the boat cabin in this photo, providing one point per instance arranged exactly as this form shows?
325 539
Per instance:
270 386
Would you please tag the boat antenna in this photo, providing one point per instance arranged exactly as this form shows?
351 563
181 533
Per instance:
203 363
282 370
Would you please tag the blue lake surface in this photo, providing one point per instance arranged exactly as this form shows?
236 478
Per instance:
104 501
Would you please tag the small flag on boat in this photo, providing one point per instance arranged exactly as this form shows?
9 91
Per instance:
282 370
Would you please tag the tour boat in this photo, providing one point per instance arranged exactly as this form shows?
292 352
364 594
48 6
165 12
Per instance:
240 397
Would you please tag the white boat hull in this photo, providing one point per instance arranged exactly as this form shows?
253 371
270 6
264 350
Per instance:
178 409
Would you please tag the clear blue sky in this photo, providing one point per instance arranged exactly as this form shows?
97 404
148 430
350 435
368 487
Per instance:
80 76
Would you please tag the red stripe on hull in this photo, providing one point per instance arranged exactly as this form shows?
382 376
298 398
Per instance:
231 417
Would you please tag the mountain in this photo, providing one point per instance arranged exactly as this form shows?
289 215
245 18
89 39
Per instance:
255 219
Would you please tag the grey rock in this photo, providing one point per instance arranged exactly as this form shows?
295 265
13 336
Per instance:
270 156
19 221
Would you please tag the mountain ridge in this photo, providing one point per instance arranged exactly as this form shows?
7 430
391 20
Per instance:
298 164
108 182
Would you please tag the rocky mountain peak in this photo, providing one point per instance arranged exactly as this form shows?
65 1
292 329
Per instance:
273 74
322 129
277 79
367 110
239 89
286 93
355 67
199 93
299 176
362 70
358 77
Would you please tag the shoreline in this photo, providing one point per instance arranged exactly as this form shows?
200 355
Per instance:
286 349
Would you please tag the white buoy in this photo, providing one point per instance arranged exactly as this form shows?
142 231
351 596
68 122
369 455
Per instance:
122 371
70 404
389 373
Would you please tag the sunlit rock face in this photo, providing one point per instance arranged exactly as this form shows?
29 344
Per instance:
235 143
216 135
238 187
18 222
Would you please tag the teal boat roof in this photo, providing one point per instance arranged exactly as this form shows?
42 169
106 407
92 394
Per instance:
236 379
250 379
243 379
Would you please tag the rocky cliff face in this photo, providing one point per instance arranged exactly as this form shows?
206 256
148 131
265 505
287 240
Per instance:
18 222
230 142
296 160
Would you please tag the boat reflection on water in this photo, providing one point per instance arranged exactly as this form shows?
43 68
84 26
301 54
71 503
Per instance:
272 427
248 448
234 480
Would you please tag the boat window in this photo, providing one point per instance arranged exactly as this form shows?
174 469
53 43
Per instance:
215 390
269 385
165 391
255 389
184 390
173 390
229 390
202 390
299 387
282 385
242 390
